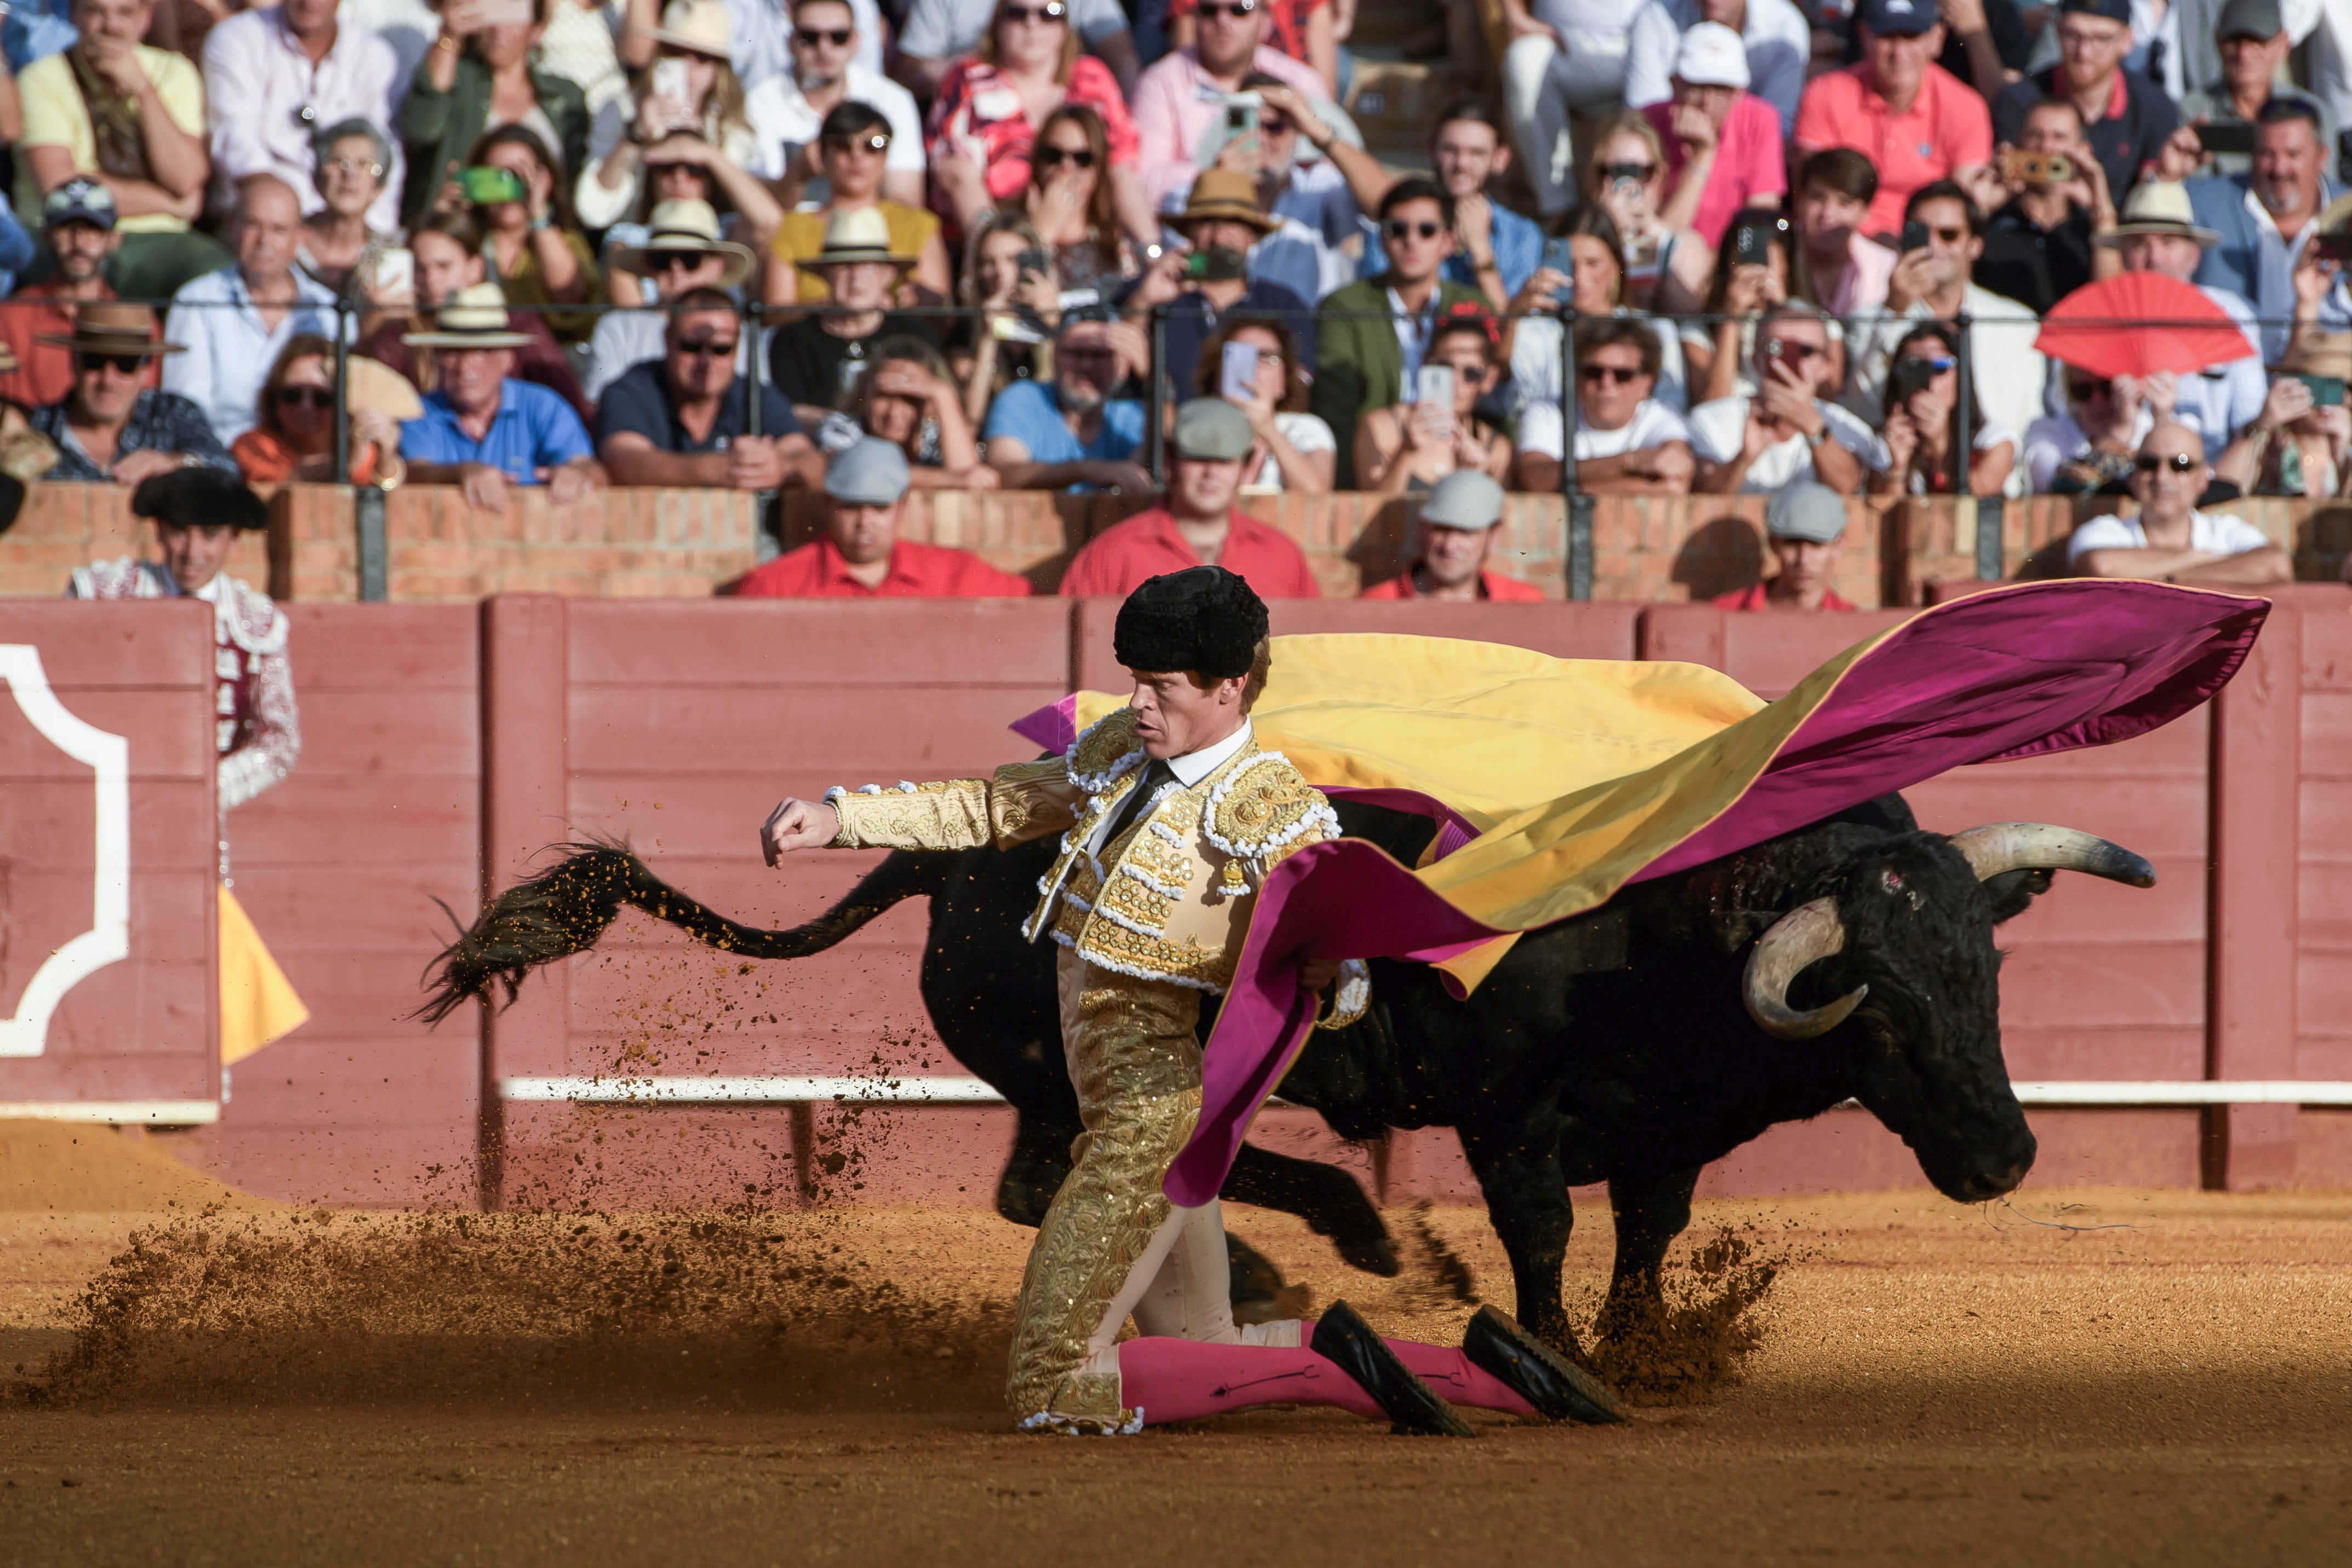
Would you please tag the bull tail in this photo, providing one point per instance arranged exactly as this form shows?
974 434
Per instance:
565 908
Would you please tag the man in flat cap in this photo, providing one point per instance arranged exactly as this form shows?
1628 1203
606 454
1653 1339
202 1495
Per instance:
1198 523
1455 532
860 554
1805 527
1169 817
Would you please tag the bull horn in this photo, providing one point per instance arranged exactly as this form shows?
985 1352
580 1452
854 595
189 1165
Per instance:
1807 933
1999 847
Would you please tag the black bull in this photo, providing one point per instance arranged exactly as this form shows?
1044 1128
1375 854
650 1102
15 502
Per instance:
1851 958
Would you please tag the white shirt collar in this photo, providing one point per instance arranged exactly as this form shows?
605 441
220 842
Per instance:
1194 766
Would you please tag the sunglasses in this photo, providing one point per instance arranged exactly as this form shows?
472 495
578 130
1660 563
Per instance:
872 142
1596 374
710 348
349 165
2179 462
681 261
837 36
1636 172
1404 228
129 365
320 397
1274 125
2084 391
1937 365
1049 157
1237 10
1054 11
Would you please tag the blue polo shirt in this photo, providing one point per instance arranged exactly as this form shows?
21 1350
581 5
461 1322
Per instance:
1033 414
534 429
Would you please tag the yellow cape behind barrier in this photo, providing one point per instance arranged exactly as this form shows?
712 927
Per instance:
257 1004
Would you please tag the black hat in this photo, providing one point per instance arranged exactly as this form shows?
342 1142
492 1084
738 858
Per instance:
2113 10
1897 18
191 498
1203 618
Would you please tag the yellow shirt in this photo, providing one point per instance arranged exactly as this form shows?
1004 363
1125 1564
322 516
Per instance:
55 116
802 235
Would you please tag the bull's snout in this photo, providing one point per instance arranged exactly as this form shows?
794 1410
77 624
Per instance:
1982 1174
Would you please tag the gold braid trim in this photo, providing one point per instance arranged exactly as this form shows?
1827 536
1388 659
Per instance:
952 814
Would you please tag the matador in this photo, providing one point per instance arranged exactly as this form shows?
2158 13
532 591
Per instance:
1170 817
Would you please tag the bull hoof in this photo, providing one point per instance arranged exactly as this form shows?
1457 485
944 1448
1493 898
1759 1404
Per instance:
1374 1256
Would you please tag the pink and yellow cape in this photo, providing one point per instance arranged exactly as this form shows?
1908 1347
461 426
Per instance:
1556 782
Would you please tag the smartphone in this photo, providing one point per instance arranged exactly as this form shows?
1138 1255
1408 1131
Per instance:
2231 136
1561 259
1909 376
2036 168
1914 238
2327 390
2337 246
1035 261
396 273
1237 375
1751 245
1435 385
1241 117
1217 264
487 187
669 84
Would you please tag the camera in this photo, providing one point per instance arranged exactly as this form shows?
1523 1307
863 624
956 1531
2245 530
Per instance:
1907 377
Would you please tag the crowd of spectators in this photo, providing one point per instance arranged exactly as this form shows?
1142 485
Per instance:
1725 247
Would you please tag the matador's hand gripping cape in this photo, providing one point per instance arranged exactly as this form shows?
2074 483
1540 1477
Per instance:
1556 782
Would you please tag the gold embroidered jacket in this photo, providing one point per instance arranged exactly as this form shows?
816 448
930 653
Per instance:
1170 898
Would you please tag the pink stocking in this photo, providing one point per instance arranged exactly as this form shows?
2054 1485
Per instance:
1454 1377
1182 1380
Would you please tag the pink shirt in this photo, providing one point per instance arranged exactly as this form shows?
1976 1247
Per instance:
1947 126
1172 117
1748 170
1863 290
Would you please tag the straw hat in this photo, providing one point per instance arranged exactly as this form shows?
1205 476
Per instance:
2318 352
475 318
859 233
701 26
686 228
1230 195
2159 207
113 327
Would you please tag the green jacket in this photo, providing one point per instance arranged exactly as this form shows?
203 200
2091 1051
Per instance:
1358 363
440 128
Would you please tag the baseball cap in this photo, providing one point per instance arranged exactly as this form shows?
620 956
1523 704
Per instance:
873 472
1465 499
80 200
1712 56
1900 18
2250 19
1815 514
1212 429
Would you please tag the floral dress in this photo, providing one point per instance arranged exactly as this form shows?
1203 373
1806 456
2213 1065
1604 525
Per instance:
978 113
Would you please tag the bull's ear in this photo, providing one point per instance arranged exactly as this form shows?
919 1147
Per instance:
2012 892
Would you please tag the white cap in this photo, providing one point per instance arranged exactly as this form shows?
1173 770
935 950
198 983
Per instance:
1712 56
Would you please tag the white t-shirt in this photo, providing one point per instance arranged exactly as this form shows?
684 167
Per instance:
1653 424
1719 428
1993 433
783 121
2216 533
1535 361
1307 433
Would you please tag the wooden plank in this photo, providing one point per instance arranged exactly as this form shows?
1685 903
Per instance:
384 648
682 731
817 643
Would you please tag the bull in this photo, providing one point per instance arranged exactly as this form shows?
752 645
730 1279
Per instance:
1849 960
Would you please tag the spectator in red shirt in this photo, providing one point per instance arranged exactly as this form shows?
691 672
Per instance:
1914 120
860 554
78 221
1805 526
1197 525
1457 531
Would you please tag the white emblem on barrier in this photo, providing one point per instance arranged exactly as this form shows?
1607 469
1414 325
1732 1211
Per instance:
109 936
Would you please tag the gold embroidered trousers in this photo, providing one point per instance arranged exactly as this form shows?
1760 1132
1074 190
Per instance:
1135 1060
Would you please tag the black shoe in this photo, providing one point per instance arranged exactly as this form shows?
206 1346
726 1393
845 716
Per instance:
1412 1408
1560 1390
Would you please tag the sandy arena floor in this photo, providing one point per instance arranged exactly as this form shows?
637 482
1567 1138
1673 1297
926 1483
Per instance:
1935 1385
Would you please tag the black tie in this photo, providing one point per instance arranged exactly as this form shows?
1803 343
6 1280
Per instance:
1154 776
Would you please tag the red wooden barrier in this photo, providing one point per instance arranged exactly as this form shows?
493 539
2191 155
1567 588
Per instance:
108 862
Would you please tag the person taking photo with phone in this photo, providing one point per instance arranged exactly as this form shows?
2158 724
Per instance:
1206 278
1922 428
689 109
1789 432
1184 102
1943 235
477 77
2043 244
2301 443
1252 366
1760 264
536 250
1414 445
2251 43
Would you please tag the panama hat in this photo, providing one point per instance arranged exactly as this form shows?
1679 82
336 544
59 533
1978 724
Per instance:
701 26
857 234
373 386
475 318
113 328
2159 207
1230 195
686 228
